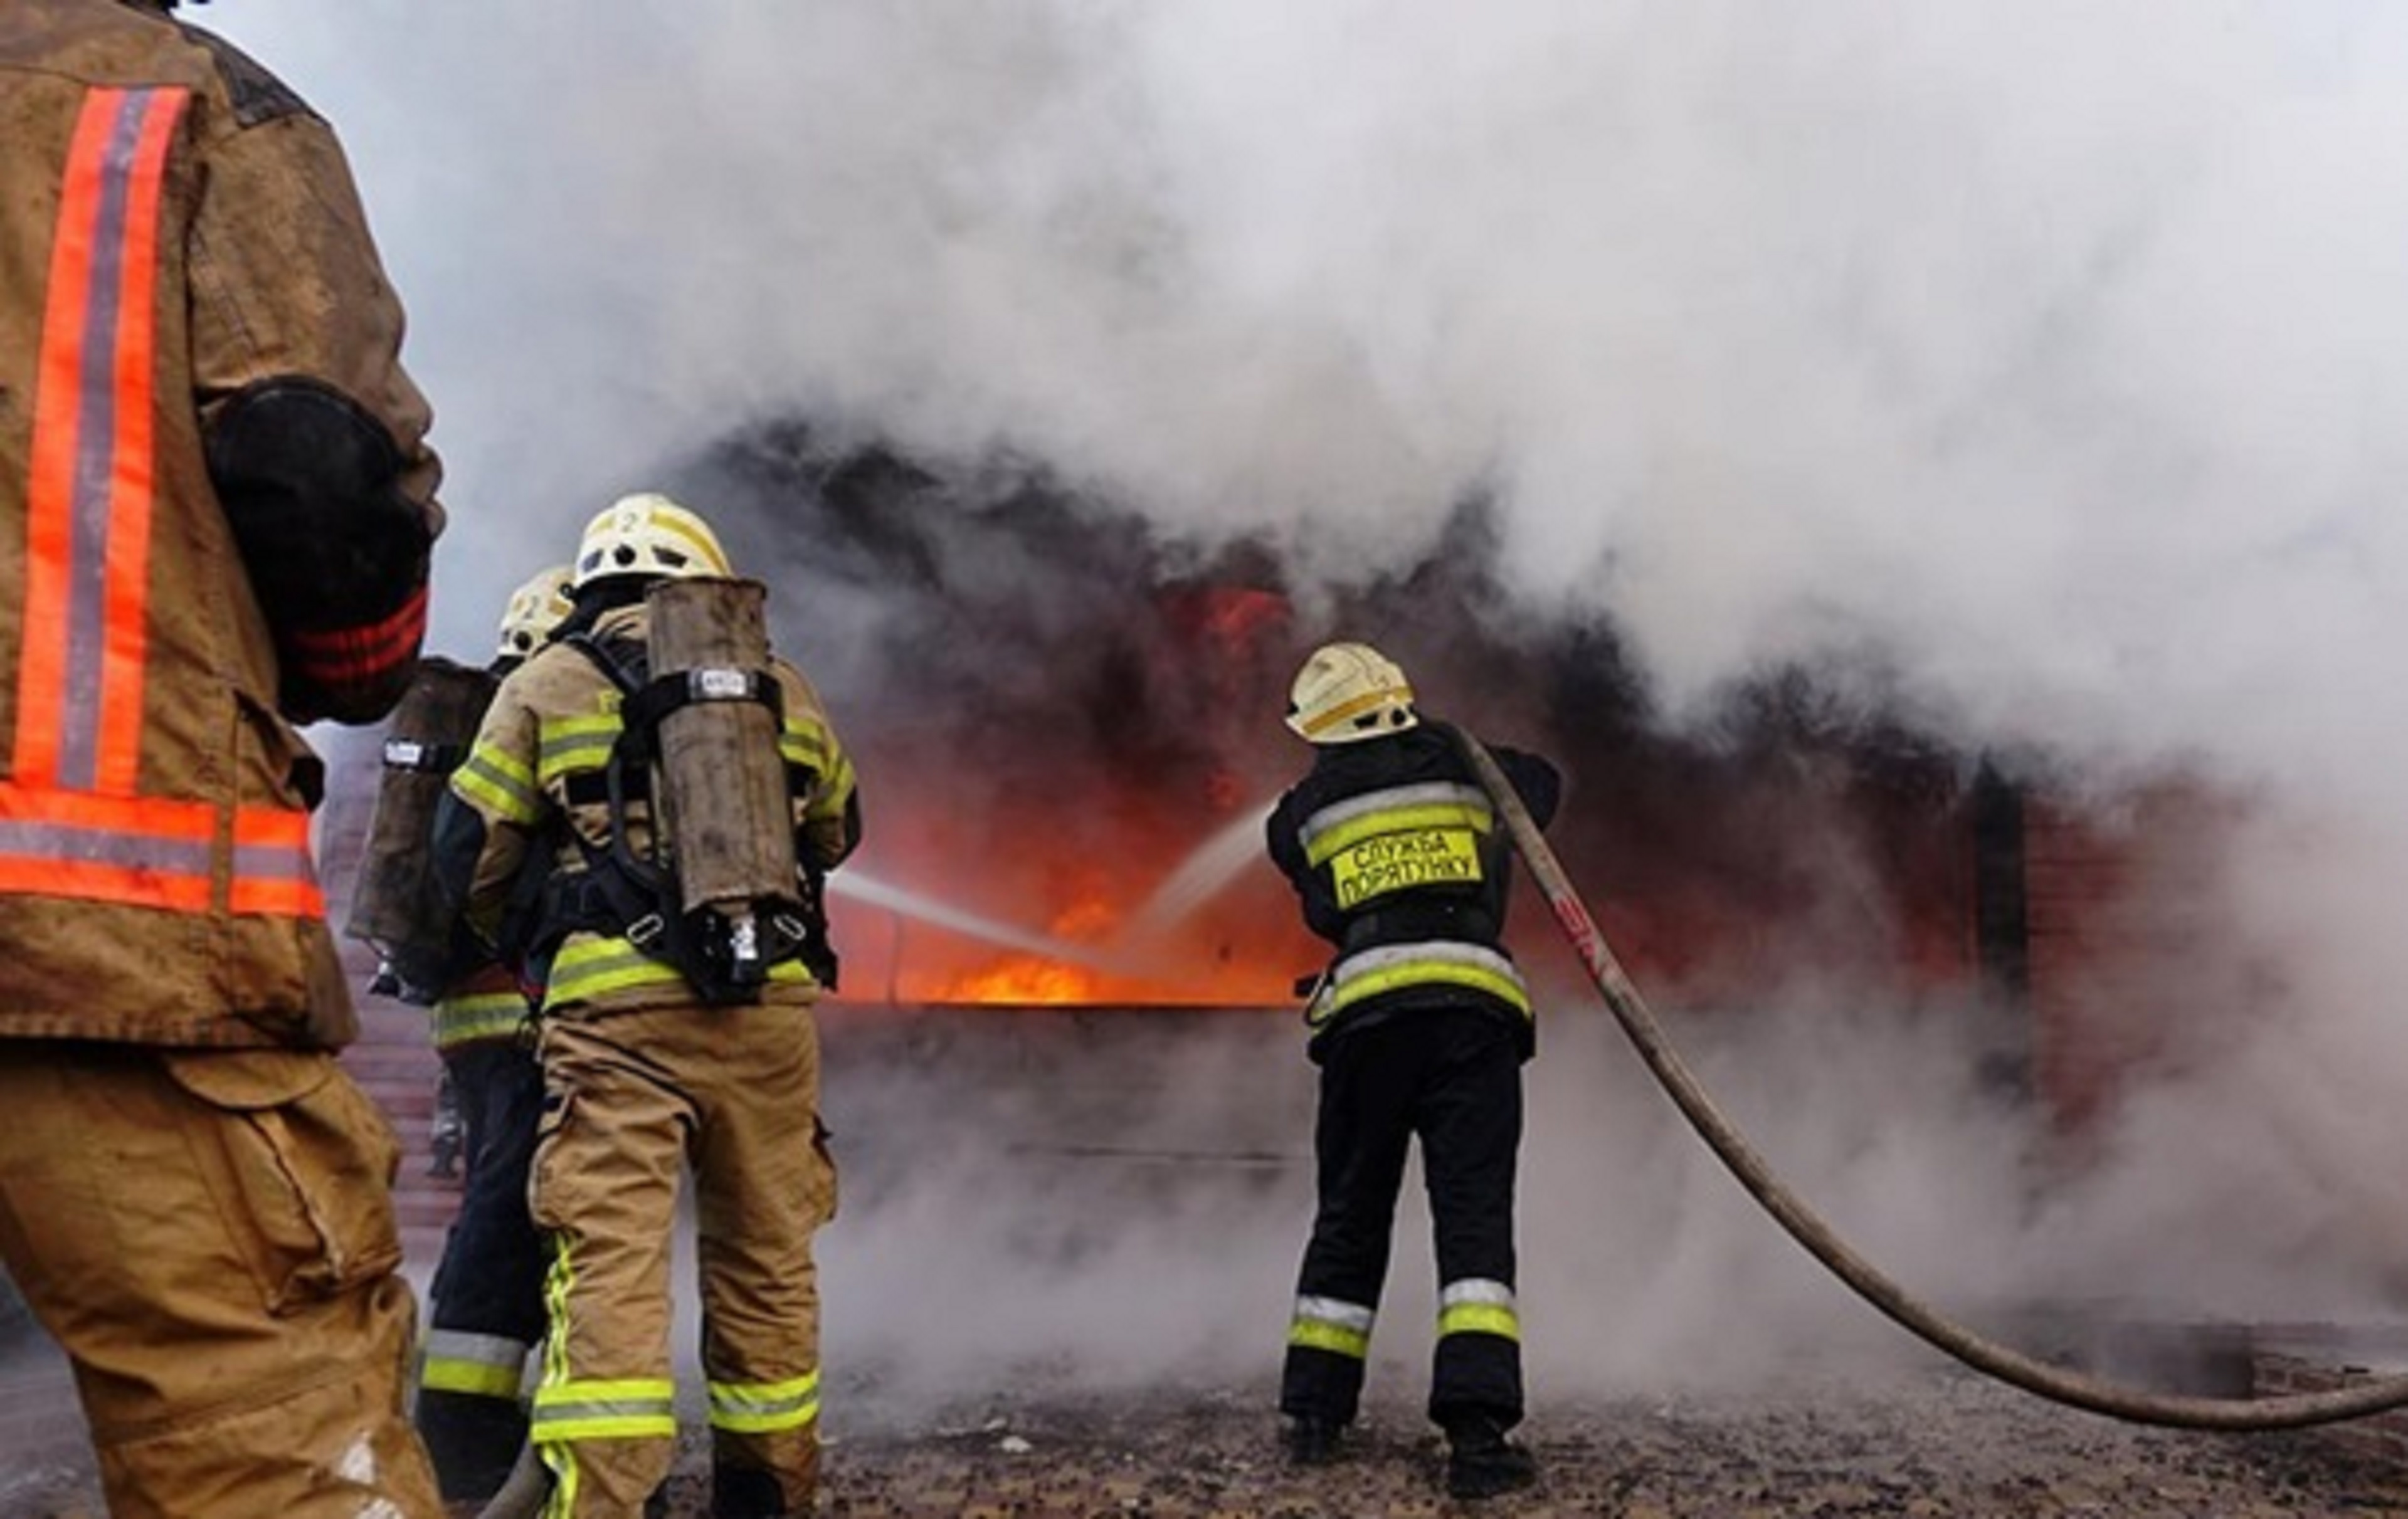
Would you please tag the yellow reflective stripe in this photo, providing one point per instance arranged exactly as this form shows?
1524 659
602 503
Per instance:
836 789
1334 1338
459 1361
1354 989
764 1407
592 966
1323 847
442 1375
558 1429
565 744
1330 1324
560 1459
484 1015
1480 1319
803 742
1348 710
636 1408
498 785
567 1409
1478 1305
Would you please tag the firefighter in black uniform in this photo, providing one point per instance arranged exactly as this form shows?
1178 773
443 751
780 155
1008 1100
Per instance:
487 1297
1420 1027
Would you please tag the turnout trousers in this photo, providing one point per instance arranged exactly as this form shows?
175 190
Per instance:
487 1311
1452 1079
632 1098
210 1234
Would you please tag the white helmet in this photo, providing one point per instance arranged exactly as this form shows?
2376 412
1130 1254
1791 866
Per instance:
648 534
1348 691
535 609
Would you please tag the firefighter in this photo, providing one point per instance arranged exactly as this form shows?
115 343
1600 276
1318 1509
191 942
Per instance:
487 1311
1420 1027
651 1060
216 508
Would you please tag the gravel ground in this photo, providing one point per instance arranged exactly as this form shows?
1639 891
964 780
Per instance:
1950 1445
1947 1446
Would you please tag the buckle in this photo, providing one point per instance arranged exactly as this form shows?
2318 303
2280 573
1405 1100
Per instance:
646 931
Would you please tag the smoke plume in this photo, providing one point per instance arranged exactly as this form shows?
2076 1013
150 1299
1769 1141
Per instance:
2020 378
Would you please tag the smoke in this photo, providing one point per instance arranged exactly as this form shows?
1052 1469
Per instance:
2024 371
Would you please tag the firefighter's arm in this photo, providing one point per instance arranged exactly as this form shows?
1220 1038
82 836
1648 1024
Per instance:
490 818
1538 783
315 438
827 816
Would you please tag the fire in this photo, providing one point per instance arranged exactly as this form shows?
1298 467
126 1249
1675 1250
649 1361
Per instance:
1025 981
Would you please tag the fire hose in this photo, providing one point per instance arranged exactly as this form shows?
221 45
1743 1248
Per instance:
2040 1378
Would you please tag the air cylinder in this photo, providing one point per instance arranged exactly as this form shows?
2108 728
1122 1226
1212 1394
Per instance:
394 904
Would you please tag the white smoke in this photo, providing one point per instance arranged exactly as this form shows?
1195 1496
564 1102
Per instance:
2048 355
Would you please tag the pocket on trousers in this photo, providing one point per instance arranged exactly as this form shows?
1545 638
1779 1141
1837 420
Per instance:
304 1170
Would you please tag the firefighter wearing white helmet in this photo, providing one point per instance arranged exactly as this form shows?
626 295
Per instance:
647 1073
539 606
1349 692
1420 1026
647 535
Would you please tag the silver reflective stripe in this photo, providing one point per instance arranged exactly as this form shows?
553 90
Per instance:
1332 1310
272 862
99 846
1472 1289
482 1349
96 423
1429 794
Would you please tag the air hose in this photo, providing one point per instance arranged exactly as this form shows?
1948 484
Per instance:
2039 1378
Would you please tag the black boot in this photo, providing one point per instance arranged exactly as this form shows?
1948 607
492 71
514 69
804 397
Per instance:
473 1440
1481 1462
1312 1441
747 1493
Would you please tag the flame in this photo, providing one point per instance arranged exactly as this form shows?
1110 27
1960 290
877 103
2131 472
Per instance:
1025 981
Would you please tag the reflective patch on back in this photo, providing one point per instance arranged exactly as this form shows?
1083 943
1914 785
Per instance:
1397 862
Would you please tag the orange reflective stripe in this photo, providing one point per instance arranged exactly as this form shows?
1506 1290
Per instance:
133 476
272 873
83 880
275 898
154 817
89 495
50 490
149 851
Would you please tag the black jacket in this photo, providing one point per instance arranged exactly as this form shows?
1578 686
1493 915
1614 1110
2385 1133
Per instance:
1400 861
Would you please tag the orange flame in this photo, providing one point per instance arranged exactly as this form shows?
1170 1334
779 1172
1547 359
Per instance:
1025 979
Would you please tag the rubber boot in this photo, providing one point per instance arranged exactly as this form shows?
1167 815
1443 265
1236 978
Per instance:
750 1493
474 1441
1481 1462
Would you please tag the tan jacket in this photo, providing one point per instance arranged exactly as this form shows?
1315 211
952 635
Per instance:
551 726
175 225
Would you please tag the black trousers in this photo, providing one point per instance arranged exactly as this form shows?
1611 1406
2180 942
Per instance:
1451 1078
490 1281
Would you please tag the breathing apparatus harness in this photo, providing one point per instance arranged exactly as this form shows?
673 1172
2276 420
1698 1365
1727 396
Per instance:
725 955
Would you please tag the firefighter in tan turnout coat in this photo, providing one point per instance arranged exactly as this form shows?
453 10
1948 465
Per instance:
649 1063
215 512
